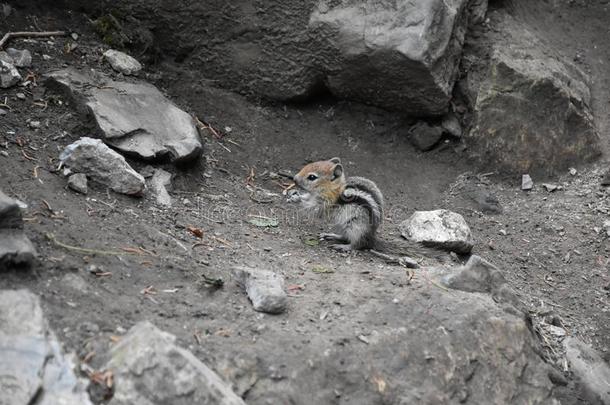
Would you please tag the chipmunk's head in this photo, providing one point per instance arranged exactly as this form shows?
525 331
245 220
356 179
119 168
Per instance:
319 184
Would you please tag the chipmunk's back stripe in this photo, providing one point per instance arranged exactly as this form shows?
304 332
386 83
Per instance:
366 186
364 199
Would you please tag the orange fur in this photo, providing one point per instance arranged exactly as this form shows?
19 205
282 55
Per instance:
325 187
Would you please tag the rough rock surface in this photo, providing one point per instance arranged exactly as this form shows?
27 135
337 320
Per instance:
134 118
103 165
591 370
78 183
19 58
149 368
121 62
424 136
158 185
264 288
9 76
550 126
399 55
33 369
441 228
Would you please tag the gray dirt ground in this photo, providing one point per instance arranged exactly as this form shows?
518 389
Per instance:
553 251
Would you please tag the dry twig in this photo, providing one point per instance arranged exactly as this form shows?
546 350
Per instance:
30 34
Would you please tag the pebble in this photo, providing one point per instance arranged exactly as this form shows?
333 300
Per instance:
46 57
551 187
34 124
4 153
526 182
573 171
20 96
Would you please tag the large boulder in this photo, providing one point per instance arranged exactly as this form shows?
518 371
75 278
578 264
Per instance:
33 369
134 118
400 55
533 109
430 346
149 368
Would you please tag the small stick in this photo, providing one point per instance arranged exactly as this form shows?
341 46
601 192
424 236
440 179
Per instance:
402 260
30 34
52 238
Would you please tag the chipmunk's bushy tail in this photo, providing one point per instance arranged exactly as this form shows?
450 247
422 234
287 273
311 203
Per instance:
407 252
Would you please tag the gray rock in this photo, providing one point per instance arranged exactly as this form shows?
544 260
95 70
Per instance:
478 275
149 368
121 62
264 288
78 183
452 125
158 185
551 187
424 137
550 126
441 228
526 182
400 55
15 249
103 165
33 368
134 118
17 57
590 369
10 213
9 76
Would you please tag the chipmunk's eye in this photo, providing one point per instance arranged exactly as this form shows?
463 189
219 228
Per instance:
312 177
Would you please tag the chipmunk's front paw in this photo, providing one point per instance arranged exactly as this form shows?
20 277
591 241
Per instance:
342 247
333 237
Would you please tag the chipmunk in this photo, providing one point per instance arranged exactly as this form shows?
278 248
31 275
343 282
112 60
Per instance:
354 205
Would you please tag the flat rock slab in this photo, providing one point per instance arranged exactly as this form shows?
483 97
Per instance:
592 371
264 288
550 127
103 165
134 118
441 228
121 62
149 368
33 369
9 75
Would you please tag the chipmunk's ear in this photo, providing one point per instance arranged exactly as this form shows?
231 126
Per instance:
336 160
337 171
